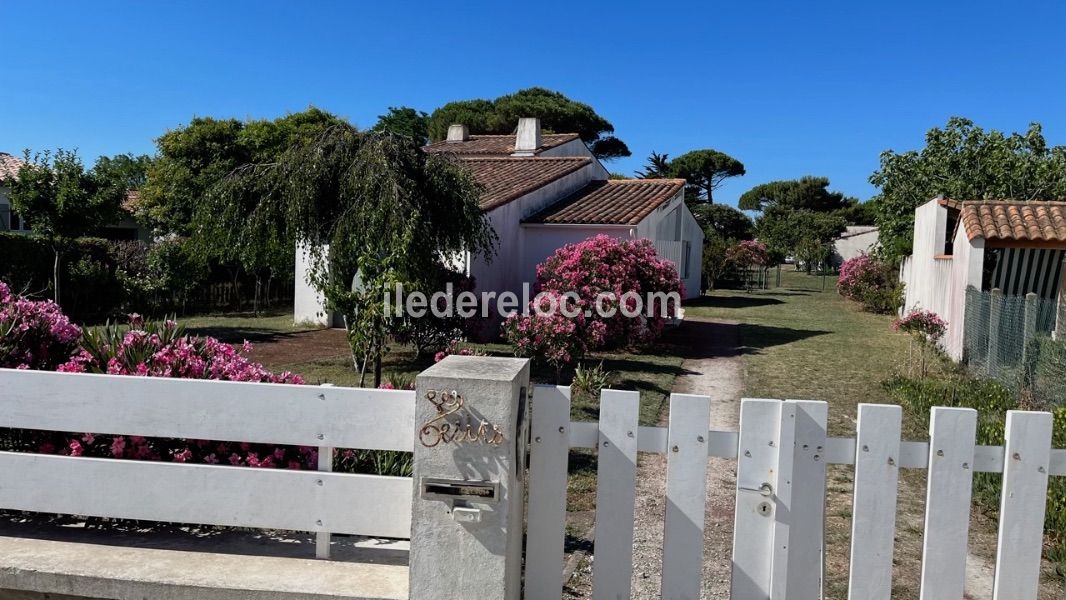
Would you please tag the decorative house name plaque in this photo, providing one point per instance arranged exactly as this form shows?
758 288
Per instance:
454 423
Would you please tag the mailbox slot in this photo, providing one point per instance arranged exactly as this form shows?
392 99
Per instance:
458 490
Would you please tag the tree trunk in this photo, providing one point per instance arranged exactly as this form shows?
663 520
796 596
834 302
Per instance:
55 276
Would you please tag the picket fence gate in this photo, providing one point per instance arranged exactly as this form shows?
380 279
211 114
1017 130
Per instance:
781 450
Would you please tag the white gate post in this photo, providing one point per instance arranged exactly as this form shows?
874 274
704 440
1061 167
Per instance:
470 442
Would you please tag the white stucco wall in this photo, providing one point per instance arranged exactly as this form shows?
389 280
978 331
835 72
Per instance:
857 239
541 241
938 283
309 306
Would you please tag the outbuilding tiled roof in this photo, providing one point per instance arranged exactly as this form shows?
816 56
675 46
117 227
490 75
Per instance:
611 202
9 166
506 179
1015 221
497 145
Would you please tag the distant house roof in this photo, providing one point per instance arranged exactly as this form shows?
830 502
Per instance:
1015 220
611 202
506 179
854 230
497 145
9 166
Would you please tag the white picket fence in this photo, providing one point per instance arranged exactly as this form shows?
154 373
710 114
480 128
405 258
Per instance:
782 452
316 501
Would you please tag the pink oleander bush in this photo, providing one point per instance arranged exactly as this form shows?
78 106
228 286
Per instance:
749 254
872 283
34 334
605 265
549 337
925 326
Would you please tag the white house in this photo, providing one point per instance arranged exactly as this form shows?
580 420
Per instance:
1014 246
543 191
856 240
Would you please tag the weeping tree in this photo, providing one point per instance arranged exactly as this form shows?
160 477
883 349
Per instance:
372 210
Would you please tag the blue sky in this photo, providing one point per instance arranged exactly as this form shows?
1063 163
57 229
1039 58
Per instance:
789 88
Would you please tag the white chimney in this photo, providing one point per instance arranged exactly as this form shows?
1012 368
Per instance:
527 140
458 133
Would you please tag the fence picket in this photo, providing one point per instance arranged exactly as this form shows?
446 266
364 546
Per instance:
947 505
1021 513
615 494
873 521
546 515
799 518
753 517
686 495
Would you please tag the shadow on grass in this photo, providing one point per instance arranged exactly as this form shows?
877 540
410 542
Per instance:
756 338
738 301
236 335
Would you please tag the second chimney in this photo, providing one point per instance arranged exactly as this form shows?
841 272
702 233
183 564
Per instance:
527 140
458 133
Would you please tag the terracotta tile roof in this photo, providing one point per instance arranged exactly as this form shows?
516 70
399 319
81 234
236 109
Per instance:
9 166
611 202
507 179
497 145
949 203
1011 220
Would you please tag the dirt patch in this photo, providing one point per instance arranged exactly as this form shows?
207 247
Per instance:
303 346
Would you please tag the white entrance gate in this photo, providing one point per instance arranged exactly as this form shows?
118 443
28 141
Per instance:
782 451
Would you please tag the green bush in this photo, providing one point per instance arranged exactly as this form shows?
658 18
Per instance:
991 400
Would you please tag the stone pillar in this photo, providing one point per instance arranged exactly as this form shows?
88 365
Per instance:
471 422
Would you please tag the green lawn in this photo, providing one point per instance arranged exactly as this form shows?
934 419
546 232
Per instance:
801 343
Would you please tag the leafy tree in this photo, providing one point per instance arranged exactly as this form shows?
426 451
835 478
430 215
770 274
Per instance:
804 233
374 210
62 201
657 167
556 112
705 170
405 120
193 158
806 193
126 170
964 162
723 221
859 213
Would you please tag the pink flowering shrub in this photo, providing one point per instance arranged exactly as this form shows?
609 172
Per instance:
163 350
748 254
924 326
33 334
549 337
621 273
455 346
872 283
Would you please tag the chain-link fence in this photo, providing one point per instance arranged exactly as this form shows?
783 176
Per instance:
1013 339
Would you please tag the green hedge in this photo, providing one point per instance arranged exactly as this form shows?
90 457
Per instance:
991 400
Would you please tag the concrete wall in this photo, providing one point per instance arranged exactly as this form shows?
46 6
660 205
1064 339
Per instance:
309 306
936 282
857 239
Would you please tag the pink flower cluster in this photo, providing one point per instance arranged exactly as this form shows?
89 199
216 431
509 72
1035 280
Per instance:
606 265
749 253
924 325
162 351
857 275
455 346
33 334
550 337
